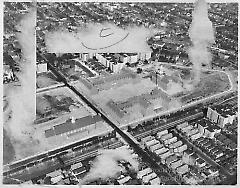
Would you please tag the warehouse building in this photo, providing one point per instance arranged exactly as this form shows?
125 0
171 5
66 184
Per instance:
73 125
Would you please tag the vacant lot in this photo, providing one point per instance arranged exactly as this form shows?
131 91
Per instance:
57 102
208 86
46 79
126 91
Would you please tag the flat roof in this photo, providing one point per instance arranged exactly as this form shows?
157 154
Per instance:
69 126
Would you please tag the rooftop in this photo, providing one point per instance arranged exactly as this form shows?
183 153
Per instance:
69 126
226 109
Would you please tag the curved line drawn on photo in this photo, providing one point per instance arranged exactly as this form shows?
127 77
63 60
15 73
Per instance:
108 45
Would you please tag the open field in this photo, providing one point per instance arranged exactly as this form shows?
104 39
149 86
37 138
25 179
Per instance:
57 102
125 91
178 82
46 79
208 86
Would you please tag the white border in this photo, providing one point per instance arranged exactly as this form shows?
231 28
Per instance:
157 1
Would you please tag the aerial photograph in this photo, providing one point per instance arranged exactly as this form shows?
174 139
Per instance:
120 93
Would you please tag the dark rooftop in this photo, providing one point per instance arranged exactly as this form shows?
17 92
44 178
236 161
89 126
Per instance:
69 126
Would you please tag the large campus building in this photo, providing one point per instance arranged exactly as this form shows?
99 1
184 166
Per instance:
116 61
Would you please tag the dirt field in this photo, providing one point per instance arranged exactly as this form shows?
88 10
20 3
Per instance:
46 79
126 91
58 102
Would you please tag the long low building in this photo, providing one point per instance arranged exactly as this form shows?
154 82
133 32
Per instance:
151 143
161 151
176 164
181 126
182 169
166 137
70 126
146 139
165 155
155 181
170 140
180 148
175 144
154 147
148 177
144 172
161 133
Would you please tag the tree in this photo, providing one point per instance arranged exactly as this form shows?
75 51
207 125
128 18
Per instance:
129 129
128 64
145 61
139 70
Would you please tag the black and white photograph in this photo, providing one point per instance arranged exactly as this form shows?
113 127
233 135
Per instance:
120 93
